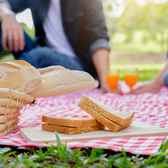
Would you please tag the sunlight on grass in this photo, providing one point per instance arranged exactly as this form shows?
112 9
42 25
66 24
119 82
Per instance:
7 58
135 47
118 43
151 67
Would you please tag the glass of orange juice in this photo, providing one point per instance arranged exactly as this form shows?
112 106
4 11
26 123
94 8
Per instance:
112 78
131 76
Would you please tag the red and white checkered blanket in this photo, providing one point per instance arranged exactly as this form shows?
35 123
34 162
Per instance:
149 108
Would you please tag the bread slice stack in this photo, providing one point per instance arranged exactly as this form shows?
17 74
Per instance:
110 118
70 126
103 116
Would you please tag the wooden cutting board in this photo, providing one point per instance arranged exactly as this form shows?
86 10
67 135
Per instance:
137 129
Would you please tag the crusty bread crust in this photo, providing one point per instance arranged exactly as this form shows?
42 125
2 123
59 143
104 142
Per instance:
58 81
119 117
71 122
71 130
19 75
50 68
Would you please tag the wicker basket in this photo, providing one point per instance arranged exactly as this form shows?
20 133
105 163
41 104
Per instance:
11 102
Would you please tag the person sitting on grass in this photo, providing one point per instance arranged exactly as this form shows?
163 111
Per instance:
154 85
70 33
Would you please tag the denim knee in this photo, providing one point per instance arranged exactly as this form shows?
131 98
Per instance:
45 50
165 79
37 57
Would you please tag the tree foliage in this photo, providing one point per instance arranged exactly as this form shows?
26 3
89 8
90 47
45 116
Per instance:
151 19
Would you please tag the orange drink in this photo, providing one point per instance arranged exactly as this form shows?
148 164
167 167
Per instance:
112 80
131 78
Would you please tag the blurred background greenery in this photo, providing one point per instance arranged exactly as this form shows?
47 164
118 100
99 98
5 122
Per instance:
138 31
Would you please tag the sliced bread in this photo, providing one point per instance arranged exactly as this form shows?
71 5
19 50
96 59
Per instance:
71 130
71 122
105 121
119 117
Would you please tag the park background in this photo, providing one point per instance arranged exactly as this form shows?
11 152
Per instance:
138 31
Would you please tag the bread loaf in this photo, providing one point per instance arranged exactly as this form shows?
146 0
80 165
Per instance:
57 80
19 76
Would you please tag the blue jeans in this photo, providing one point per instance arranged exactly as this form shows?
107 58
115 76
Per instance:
41 57
165 79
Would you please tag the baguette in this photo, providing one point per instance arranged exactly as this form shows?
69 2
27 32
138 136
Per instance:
71 122
119 117
20 76
57 80
71 130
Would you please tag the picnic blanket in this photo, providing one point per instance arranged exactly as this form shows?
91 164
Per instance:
149 108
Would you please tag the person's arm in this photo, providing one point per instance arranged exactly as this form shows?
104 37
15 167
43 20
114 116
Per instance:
101 61
154 85
12 31
97 39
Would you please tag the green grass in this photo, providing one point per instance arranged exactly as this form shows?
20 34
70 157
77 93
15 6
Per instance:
141 67
135 47
8 58
61 156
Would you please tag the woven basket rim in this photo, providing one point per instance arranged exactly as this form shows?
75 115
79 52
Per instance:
13 94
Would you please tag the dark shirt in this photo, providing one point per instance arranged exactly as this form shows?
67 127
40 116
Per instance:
83 22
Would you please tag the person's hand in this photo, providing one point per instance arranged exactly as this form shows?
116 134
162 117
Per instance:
117 89
12 33
149 87
106 88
